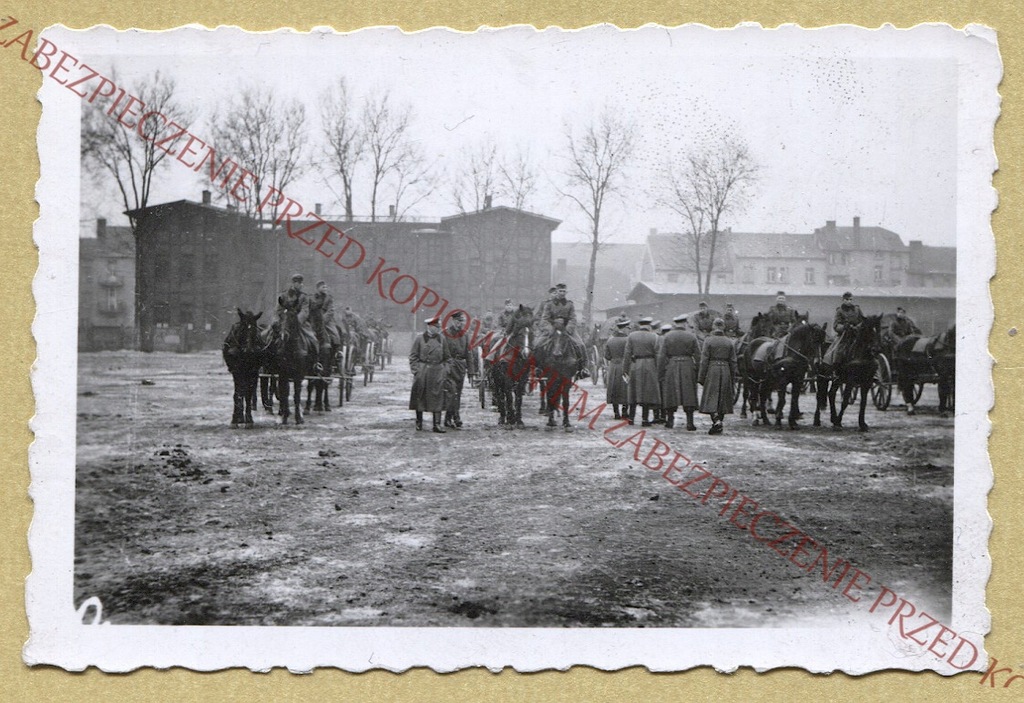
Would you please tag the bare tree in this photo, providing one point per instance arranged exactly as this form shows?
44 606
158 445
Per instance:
413 182
266 135
385 127
518 177
345 139
110 149
710 185
476 178
596 162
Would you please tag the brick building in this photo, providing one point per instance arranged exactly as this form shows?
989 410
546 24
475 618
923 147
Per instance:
106 288
198 262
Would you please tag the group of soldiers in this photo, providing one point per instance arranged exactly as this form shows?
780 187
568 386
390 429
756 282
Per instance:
660 372
440 363
316 316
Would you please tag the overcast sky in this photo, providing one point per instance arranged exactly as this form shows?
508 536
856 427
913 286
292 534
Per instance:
842 122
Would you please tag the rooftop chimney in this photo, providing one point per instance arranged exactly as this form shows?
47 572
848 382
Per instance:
830 224
487 202
101 227
316 209
654 231
856 224
391 211
206 197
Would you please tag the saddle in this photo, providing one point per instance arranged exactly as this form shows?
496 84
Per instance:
768 352
921 345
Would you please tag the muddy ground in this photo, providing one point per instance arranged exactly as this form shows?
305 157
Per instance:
355 519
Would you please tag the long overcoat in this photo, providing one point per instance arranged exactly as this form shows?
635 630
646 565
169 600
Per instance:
640 365
460 360
678 361
616 391
428 359
717 371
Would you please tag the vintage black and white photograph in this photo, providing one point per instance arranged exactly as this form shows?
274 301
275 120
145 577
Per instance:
515 347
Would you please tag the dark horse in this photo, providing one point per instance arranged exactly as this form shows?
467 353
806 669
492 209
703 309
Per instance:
922 356
775 364
508 366
558 369
760 326
855 370
295 357
243 353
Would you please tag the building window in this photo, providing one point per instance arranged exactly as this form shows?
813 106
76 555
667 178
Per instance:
185 314
878 274
809 276
748 274
783 274
111 301
844 258
879 255
770 274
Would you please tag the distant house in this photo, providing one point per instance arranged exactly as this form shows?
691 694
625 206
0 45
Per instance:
862 256
668 258
106 288
792 261
931 267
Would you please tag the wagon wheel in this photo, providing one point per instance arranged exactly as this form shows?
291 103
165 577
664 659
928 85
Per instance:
881 390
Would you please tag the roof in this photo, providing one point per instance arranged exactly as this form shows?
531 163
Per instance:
117 240
185 202
859 238
926 260
669 253
500 209
776 245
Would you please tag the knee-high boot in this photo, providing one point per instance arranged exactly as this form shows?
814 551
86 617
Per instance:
437 423
689 421
419 420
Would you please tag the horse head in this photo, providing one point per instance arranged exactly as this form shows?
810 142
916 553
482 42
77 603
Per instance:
522 320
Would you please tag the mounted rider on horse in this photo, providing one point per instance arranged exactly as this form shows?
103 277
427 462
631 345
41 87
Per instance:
558 329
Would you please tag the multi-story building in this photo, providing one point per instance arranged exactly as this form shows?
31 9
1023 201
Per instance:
199 262
862 256
106 288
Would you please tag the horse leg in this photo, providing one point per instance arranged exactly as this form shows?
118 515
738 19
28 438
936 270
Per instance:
266 395
236 400
864 390
833 388
564 400
743 405
283 397
298 401
251 381
780 406
794 404
518 412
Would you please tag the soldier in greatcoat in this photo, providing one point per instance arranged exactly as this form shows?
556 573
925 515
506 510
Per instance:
639 365
428 360
616 391
848 318
718 370
461 361
506 315
678 361
781 316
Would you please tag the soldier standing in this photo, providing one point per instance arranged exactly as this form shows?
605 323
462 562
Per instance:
461 362
718 369
640 367
678 361
428 360
616 391
781 316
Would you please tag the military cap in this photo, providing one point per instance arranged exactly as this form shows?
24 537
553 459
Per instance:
434 321
847 295
623 323
681 318
645 320
297 277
